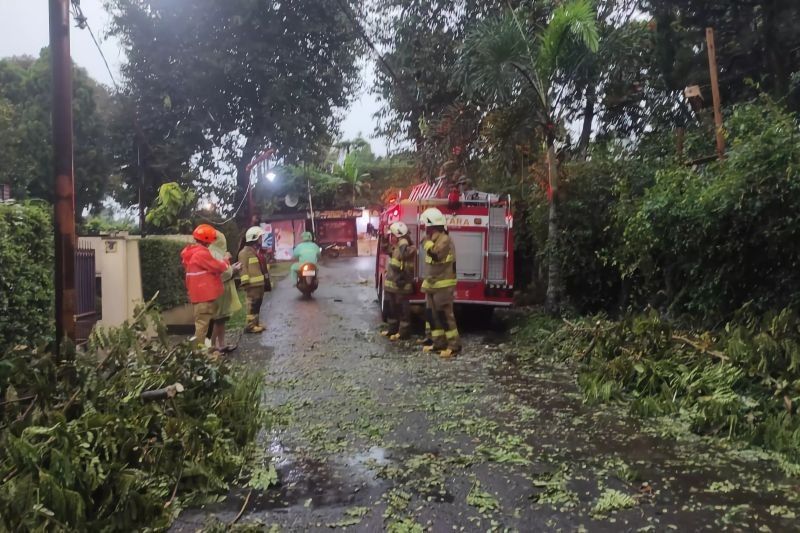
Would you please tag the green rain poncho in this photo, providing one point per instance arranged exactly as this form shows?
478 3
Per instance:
228 303
305 252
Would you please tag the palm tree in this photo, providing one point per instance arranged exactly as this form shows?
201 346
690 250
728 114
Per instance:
352 176
505 59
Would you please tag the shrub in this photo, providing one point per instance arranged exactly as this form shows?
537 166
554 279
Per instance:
26 274
81 451
712 239
162 271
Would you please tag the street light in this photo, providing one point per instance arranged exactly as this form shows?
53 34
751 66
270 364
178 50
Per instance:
271 176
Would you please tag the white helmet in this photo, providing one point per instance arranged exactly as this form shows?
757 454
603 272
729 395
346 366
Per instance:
433 217
253 234
398 229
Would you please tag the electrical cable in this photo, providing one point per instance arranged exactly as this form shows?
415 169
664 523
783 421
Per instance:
83 22
235 213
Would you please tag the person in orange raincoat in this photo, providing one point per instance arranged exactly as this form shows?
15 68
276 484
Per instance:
203 278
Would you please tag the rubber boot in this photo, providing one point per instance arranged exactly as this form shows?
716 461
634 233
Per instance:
253 325
448 353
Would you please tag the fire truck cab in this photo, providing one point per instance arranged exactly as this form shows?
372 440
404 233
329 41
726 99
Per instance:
481 227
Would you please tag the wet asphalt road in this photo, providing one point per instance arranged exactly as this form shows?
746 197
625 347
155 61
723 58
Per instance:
373 436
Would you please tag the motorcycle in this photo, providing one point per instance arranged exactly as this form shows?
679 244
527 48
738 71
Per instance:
307 280
332 250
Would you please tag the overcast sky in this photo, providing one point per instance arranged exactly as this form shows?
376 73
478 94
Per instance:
24 30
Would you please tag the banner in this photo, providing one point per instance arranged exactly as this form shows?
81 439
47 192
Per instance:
268 241
283 234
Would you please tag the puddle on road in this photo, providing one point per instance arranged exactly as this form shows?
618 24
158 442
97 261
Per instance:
309 482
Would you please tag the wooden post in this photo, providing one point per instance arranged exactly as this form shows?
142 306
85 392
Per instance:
712 67
64 216
680 135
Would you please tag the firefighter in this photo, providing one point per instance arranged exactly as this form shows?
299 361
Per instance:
203 279
399 283
253 278
439 285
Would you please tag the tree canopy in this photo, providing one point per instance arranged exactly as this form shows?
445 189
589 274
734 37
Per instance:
221 81
26 140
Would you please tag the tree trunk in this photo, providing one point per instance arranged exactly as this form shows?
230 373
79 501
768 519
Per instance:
554 284
242 200
588 119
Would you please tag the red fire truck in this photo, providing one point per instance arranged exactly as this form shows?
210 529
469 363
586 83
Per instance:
481 226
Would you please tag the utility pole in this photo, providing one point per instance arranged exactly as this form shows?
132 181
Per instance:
140 179
64 216
712 67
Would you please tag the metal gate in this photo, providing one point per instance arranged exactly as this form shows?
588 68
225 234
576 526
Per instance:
86 314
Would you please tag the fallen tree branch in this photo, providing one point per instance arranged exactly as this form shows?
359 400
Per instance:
175 489
162 394
17 400
688 342
244 506
25 414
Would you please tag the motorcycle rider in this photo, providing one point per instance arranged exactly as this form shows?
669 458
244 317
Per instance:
439 284
398 283
253 278
305 252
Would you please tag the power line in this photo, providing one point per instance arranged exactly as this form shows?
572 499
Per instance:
83 23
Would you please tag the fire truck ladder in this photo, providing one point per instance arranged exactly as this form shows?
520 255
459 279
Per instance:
497 247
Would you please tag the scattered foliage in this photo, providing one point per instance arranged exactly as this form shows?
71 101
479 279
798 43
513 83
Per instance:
612 500
81 450
741 381
484 501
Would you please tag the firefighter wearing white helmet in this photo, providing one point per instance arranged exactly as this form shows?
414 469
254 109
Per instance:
398 229
253 278
398 284
439 285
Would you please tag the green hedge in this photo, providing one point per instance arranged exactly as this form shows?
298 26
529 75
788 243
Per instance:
162 271
26 275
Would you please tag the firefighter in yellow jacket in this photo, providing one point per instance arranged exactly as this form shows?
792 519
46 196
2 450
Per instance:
439 284
399 283
253 278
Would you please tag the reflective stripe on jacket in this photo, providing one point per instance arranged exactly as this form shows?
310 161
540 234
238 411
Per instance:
400 269
252 271
440 263
203 273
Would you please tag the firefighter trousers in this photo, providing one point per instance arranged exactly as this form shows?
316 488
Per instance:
399 318
439 314
254 297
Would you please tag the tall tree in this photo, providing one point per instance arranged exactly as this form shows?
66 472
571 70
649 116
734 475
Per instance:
758 46
26 148
422 40
229 79
507 57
